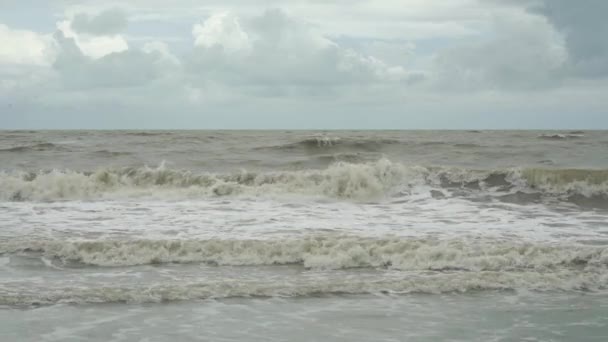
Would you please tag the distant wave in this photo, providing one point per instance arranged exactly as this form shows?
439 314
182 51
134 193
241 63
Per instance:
562 136
106 153
369 144
34 147
147 133
329 142
342 180
360 157
17 131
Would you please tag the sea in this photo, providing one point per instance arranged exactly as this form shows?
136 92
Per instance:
303 235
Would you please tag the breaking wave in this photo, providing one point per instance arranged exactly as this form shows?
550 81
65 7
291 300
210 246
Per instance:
342 180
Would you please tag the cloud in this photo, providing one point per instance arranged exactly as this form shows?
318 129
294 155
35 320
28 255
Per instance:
108 22
522 52
275 51
387 19
25 57
338 64
221 30
127 68
91 45
585 28
24 47
272 54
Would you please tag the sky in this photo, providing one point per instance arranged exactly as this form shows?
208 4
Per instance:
304 64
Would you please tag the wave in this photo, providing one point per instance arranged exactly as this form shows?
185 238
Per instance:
34 147
148 133
328 159
342 180
430 283
368 144
19 131
323 252
109 154
335 265
452 144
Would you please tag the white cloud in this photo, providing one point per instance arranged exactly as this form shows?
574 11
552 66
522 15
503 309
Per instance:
222 30
25 57
24 47
276 50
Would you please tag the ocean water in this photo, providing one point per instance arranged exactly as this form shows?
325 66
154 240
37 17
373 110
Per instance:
303 235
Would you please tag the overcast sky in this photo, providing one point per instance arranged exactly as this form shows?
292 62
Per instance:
301 64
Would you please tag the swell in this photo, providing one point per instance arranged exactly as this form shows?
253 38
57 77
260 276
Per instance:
342 180
324 252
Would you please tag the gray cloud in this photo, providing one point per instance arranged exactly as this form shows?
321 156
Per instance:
585 29
129 68
108 22
552 42
522 52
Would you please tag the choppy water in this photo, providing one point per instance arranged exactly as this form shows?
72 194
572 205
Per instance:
366 235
